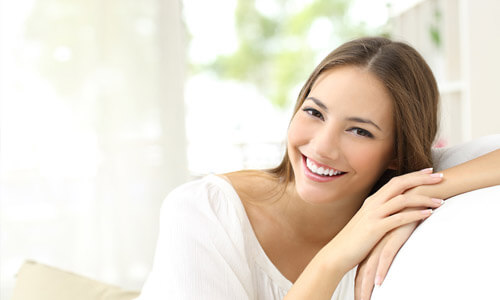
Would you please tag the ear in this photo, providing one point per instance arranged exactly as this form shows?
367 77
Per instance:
393 164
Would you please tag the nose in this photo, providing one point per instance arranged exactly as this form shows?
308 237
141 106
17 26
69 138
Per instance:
326 143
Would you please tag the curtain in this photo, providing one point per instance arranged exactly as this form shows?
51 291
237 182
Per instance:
92 133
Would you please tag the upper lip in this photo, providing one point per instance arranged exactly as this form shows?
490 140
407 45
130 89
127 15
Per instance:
322 165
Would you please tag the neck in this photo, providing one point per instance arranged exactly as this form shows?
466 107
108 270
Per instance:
313 223
273 204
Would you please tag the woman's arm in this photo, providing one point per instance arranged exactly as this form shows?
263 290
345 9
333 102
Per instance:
478 173
319 279
380 213
481 172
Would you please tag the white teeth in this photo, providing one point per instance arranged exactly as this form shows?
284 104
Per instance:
320 170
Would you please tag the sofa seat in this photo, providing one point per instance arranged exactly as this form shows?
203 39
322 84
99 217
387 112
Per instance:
37 281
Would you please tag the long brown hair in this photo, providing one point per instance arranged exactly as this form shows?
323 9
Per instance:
412 87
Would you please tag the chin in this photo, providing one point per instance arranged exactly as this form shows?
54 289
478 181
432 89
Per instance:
313 195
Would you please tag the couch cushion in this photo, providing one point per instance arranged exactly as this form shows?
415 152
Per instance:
41 282
453 254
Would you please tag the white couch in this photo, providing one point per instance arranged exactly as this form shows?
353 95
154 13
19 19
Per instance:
455 253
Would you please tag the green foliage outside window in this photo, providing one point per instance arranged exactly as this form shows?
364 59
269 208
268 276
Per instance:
273 52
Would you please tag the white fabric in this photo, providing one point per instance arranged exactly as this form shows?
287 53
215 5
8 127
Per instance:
208 250
455 253
445 158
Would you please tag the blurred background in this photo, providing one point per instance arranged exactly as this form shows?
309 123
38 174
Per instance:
108 105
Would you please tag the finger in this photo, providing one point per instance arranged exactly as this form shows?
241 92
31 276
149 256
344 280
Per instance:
365 277
366 273
403 218
391 249
358 280
401 202
400 184
364 281
357 285
371 269
366 289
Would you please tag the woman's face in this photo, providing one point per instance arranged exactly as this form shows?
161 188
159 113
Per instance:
341 139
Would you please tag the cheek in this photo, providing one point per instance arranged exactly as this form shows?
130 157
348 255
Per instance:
297 132
373 159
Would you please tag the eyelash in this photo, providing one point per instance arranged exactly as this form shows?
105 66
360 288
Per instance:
364 133
316 114
313 112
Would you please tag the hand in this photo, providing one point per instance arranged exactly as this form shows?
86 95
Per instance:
381 213
373 269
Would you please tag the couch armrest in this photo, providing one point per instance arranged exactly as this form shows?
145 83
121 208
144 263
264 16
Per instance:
453 254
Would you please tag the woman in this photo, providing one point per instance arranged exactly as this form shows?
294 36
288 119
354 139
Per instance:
367 113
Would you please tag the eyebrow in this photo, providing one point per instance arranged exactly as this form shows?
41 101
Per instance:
353 119
318 103
365 121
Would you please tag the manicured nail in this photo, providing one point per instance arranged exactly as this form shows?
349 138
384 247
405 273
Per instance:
439 201
427 212
427 170
438 175
378 280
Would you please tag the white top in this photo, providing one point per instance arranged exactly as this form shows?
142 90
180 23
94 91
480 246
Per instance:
207 249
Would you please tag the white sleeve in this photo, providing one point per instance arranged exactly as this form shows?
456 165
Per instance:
195 258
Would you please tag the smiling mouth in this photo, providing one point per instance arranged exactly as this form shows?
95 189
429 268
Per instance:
321 170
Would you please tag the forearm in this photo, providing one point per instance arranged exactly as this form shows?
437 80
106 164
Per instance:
481 172
318 280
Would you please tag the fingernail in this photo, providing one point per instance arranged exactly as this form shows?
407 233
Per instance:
439 201
427 211
378 280
427 170
437 175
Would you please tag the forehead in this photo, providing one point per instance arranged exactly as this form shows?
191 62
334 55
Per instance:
351 90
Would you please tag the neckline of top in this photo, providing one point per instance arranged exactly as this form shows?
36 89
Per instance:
260 255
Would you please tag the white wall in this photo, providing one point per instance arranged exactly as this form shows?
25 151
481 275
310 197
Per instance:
481 39
465 64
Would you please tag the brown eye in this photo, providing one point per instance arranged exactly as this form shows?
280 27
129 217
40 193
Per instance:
361 132
313 112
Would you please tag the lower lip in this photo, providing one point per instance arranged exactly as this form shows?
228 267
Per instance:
316 177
